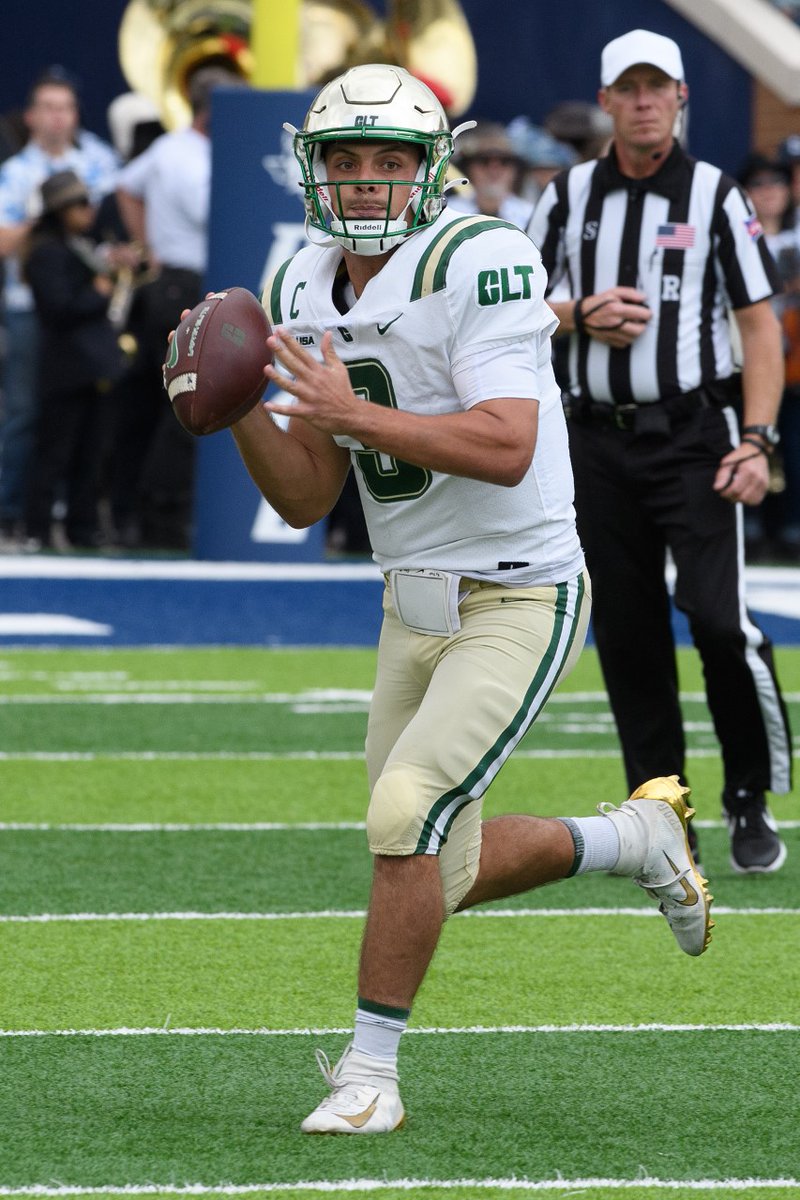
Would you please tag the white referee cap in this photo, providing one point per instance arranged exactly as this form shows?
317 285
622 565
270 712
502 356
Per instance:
640 46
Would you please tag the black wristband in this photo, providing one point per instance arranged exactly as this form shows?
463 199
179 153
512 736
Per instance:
768 434
758 445
577 316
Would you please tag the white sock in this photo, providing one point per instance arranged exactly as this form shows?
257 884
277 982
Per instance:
596 843
378 1030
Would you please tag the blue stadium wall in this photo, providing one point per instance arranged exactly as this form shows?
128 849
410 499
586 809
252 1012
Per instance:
531 54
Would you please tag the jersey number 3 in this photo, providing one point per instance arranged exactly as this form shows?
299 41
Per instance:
388 479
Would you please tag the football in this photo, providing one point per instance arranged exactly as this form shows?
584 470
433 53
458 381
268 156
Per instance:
214 369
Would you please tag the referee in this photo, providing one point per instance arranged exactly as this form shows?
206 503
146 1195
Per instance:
655 249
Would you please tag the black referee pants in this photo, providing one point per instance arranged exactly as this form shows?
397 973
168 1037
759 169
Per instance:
636 496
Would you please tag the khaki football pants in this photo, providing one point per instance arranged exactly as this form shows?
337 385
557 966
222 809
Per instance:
448 711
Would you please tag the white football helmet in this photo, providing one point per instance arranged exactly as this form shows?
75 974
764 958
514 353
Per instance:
382 104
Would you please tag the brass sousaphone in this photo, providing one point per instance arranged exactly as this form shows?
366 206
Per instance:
162 41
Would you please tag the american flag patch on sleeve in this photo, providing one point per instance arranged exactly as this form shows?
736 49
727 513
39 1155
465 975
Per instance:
753 227
675 236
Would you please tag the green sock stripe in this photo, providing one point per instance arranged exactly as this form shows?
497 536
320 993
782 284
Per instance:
579 843
383 1010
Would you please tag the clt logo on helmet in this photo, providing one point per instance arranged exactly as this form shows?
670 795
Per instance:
368 121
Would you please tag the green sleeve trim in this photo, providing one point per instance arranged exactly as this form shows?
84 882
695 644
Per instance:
274 289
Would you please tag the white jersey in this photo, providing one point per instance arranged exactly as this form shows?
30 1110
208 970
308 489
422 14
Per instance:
456 316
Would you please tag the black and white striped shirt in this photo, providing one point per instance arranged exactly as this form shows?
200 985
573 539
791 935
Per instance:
687 237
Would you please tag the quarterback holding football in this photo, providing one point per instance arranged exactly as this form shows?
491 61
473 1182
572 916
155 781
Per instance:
412 345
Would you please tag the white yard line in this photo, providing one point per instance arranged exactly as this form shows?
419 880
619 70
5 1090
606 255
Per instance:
80 688
354 914
285 756
233 826
327 701
315 705
211 756
350 1186
177 827
424 1031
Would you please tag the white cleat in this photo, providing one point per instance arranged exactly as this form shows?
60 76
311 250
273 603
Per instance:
654 850
364 1096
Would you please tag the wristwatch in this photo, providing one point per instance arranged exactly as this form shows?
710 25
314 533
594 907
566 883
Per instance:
768 433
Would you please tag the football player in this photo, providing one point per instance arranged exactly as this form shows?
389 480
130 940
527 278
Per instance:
413 345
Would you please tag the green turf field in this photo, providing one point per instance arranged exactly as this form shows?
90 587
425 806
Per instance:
183 876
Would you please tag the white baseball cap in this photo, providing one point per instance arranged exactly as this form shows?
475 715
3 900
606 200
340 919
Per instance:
640 46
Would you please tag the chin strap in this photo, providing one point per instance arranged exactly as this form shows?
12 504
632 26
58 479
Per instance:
393 233
313 235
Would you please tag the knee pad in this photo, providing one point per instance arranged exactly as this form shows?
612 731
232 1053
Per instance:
393 817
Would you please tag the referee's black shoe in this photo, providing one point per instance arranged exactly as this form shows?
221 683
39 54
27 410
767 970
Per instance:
756 847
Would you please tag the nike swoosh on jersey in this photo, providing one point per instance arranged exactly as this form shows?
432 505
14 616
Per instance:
382 328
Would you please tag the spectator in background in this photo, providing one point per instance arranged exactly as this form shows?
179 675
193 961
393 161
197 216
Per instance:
13 133
55 144
542 156
80 362
789 156
493 167
134 124
583 126
164 197
772 531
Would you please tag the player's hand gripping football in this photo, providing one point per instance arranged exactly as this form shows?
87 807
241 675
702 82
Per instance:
322 391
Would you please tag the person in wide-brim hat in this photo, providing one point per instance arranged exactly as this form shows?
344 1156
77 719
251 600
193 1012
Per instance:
62 190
